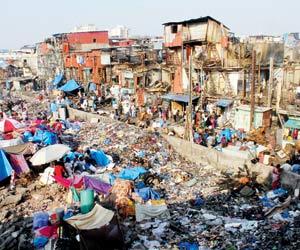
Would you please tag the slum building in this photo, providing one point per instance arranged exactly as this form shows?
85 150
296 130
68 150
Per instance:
50 57
83 56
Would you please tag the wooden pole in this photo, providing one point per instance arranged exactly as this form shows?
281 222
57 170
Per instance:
252 107
244 83
190 115
271 69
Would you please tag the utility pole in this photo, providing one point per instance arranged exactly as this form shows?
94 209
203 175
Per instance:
270 86
252 107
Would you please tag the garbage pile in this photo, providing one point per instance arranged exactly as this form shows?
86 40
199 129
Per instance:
141 194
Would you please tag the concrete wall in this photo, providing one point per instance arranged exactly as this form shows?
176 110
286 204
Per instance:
221 161
86 116
199 154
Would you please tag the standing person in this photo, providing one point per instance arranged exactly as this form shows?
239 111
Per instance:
276 172
177 116
54 109
197 118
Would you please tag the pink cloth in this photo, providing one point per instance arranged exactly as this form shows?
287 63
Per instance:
76 182
19 164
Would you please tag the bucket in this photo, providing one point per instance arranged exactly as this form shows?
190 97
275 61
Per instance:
86 200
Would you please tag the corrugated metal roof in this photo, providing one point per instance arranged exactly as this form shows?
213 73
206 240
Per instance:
178 98
196 20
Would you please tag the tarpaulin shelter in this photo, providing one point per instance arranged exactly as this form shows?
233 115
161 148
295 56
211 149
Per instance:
19 149
98 229
58 78
49 154
9 125
5 167
70 86
19 163
100 157
45 137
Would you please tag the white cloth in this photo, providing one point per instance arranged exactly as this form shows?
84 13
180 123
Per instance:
96 218
143 212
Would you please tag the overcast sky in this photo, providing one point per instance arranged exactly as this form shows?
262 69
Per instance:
30 21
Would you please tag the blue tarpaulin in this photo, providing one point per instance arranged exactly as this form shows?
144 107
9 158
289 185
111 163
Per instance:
44 136
100 158
178 98
292 123
224 103
70 86
5 167
132 173
148 193
57 79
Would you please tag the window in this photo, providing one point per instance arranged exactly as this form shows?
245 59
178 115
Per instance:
94 40
174 29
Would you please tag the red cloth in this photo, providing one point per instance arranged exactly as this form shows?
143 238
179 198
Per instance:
57 126
59 170
48 231
7 136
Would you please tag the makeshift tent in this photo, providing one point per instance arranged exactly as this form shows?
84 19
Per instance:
5 167
70 86
100 158
24 149
49 154
9 125
45 137
98 229
57 79
19 164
